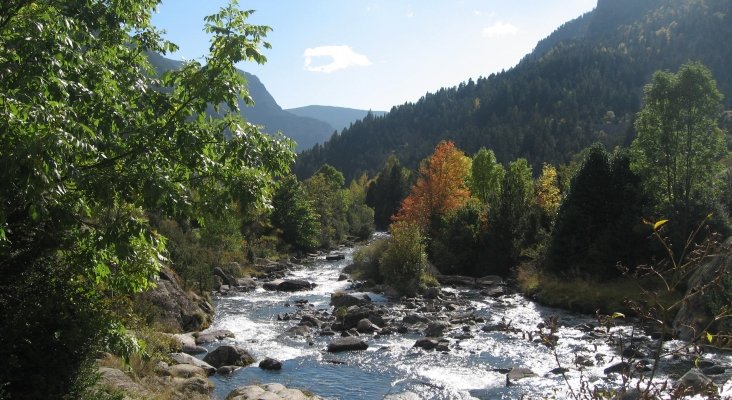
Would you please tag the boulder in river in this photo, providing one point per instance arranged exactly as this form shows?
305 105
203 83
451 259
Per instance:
183 358
270 391
343 299
366 326
270 364
436 328
229 355
348 343
695 380
288 285
335 257
519 373
212 336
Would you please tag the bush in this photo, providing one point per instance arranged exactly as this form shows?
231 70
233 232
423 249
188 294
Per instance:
366 260
403 262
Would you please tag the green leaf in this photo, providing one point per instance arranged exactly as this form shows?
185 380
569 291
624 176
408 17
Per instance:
617 315
710 337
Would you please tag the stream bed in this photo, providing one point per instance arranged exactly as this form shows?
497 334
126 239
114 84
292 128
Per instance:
474 367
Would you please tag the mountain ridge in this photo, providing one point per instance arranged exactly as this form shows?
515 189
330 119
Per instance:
581 84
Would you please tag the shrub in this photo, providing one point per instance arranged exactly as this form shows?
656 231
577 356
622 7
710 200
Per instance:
366 260
403 262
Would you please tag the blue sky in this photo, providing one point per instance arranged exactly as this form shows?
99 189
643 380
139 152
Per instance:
376 54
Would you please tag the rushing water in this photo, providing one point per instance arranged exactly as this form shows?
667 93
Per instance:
472 368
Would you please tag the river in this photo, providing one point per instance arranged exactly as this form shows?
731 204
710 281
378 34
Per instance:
473 368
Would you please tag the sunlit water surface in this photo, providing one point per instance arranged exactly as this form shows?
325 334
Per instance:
391 364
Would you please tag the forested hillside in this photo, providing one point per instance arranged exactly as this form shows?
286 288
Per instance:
338 117
580 85
304 130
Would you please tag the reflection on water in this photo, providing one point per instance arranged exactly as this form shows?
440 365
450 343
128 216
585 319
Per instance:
474 367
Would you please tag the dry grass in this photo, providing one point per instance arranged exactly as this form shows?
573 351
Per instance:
587 295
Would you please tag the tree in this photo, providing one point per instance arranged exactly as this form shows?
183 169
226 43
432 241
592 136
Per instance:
295 215
91 139
360 216
679 143
509 221
325 191
440 188
386 193
486 176
599 222
548 196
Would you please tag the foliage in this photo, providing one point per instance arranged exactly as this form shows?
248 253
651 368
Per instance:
325 191
295 215
403 263
360 216
386 193
510 221
548 196
679 143
366 260
458 241
486 177
89 143
598 224
440 188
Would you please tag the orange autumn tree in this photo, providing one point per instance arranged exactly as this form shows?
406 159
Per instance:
440 188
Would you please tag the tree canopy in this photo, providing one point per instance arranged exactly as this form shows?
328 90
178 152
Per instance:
92 139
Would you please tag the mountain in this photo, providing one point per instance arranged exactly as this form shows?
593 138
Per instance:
580 85
304 130
338 117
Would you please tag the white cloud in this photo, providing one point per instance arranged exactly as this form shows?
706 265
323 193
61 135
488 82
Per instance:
500 29
341 57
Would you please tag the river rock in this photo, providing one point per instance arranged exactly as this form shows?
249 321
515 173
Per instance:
246 284
186 371
226 369
175 307
311 321
183 358
335 257
402 396
226 278
414 318
694 315
519 373
426 343
343 299
212 336
298 330
436 328
229 355
348 343
288 285
270 364
356 313
116 379
194 385
366 326
270 391
694 379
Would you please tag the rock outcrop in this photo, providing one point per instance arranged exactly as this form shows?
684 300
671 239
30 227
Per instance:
176 309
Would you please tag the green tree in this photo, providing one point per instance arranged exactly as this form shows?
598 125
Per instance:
599 222
404 261
386 193
679 144
325 190
510 219
295 215
486 177
360 216
91 139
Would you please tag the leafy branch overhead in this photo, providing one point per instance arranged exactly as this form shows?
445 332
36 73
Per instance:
93 140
